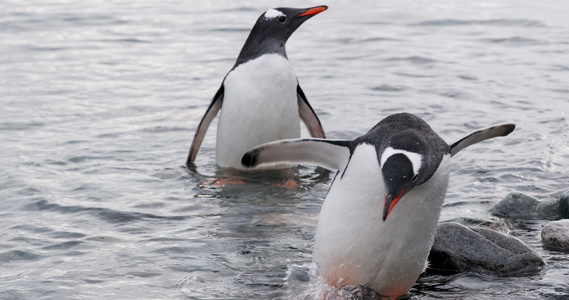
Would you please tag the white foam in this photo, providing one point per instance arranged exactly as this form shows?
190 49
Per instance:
273 13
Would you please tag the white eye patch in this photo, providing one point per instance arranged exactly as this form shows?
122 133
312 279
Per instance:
273 13
414 158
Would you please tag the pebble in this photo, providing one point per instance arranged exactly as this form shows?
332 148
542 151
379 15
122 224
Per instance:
556 234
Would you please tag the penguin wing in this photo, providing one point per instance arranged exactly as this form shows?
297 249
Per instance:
331 154
481 135
308 115
210 114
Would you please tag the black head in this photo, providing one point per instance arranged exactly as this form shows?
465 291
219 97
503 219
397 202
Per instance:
272 30
409 153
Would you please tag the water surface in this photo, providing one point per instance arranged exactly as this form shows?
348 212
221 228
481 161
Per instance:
100 101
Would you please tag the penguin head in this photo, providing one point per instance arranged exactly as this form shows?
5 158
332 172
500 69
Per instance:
408 152
272 30
403 168
280 23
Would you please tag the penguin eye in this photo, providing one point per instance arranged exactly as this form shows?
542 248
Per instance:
282 19
415 177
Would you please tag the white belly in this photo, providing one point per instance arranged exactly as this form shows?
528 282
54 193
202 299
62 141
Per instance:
259 106
354 246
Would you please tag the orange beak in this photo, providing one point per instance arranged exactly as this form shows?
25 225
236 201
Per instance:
314 11
389 204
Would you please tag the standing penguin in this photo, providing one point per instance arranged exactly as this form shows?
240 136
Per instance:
261 98
379 218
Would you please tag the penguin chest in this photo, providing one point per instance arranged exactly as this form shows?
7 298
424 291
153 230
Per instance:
352 243
260 105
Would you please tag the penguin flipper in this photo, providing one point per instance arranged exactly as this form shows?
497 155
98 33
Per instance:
331 154
308 115
210 114
481 135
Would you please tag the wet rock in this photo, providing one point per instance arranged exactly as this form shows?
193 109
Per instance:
490 222
299 275
556 195
564 206
548 208
458 248
521 206
516 205
556 234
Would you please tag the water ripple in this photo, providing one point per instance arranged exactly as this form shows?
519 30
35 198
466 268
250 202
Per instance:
389 88
493 22
418 60
516 40
106 214
100 99
17 255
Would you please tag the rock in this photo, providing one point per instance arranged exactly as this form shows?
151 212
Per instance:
556 234
460 249
564 206
494 223
555 195
521 206
299 275
297 279
548 208
516 205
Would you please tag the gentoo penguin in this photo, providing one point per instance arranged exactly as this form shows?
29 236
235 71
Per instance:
260 98
379 218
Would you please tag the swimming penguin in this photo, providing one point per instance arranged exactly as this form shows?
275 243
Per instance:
261 98
379 218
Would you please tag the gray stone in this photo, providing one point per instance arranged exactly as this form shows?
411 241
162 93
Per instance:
552 206
556 194
558 203
460 249
490 222
548 208
564 206
299 275
298 278
521 206
516 205
556 234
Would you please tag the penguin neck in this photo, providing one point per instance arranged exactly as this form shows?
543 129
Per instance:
259 44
